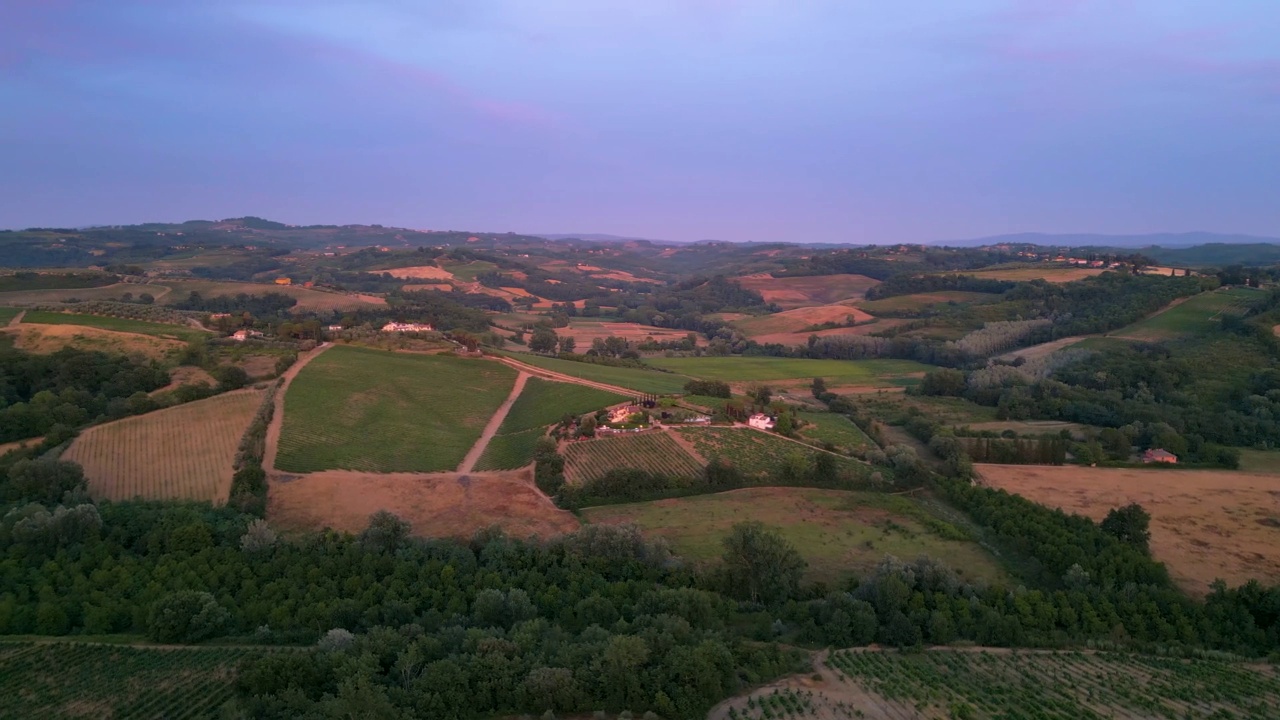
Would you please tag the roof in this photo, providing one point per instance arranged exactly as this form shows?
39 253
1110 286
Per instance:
1159 453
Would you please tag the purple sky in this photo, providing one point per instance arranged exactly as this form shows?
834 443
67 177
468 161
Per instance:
804 120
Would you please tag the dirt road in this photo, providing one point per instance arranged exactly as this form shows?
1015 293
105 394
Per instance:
561 377
491 429
277 418
16 320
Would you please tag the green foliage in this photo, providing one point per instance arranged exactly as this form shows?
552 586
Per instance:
708 388
44 481
178 329
759 565
187 616
544 402
1131 525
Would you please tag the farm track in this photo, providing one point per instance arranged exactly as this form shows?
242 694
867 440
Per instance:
16 320
561 377
277 417
491 429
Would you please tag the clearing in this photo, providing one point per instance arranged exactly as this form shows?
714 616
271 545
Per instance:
795 292
841 534
44 339
74 680
437 504
179 453
946 683
1196 315
1205 524
358 409
756 369
656 452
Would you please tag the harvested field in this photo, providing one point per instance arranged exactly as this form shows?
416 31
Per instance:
418 272
106 292
1048 274
308 298
375 411
584 331
656 452
437 504
44 339
840 533
1205 524
791 321
795 292
179 453
18 444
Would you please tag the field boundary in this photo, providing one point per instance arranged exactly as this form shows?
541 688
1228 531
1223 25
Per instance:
277 417
491 428
561 377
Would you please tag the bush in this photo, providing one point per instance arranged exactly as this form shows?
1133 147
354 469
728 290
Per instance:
708 388
187 617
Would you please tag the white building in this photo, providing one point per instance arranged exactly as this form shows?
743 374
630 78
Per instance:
407 327
761 421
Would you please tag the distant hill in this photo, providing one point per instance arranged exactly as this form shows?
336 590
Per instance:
1164 240
596 237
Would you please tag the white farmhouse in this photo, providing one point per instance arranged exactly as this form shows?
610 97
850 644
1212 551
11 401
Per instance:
761 421
407 327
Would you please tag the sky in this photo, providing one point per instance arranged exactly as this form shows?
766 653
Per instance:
758 120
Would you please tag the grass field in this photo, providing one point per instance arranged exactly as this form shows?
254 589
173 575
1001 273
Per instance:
920 301
794 292
655 452
841 534
1205 524
308 299
946 684
48 317
510 451
749 369
467 272
51 338
74 680
376 411
642 381
1264 462
541 403
1048 273
179 453
1196 315
7 314
835 429
756 453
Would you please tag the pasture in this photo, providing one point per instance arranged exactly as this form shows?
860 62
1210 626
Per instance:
946 684
637 379
49 317
375 411
79 680
179 453
436 505
765 369
758 453
1205 524
1048 273
655 452
841 534
795 292
1196 315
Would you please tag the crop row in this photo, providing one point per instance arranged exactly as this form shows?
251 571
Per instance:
655 452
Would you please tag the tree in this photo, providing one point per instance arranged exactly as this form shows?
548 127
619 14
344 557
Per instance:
1131 525
230 377
544 340
785 426
760 565
386 531
258 537
44 481
187 616
943 381
761 394
819 387
568 344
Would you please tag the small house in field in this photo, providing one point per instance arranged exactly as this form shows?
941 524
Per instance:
242 335
1158 455
761 421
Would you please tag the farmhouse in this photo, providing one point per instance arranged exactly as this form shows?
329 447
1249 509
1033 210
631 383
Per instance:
407 327
242 335
761 421
622 414
334 328
284 281
1159 455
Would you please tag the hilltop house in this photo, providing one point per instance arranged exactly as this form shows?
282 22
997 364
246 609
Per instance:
1159 455
761 421
407 327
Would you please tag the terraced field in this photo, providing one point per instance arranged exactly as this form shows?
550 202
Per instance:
74 680
179 453
655 452
358 409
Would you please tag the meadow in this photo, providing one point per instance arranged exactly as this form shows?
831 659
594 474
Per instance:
308 298
179 453
946 684
835 429
49 317
374 411
7 314
78 680
51 338
655 452
758 369
642 381
841 534
1197 315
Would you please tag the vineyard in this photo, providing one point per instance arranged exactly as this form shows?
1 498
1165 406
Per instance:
118 324
836 429
375 411
655 452
643 381
543 402
951 684
72 680
179 453
757 453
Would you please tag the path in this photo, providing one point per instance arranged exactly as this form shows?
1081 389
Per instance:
16 320
473 456
561 377
277 417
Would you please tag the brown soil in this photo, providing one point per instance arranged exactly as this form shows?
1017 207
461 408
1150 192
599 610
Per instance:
435 504
794 292
491 428
419 272
37 338
1205 524
186 375
6 447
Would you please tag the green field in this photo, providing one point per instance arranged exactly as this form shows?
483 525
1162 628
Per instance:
7 314
642 381
1051 685
835 372
467 272
920 301
1197 315
757 453
541 403
511 451
835 429
1260 461
840 533
655 452
358 409
48 317
74 680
